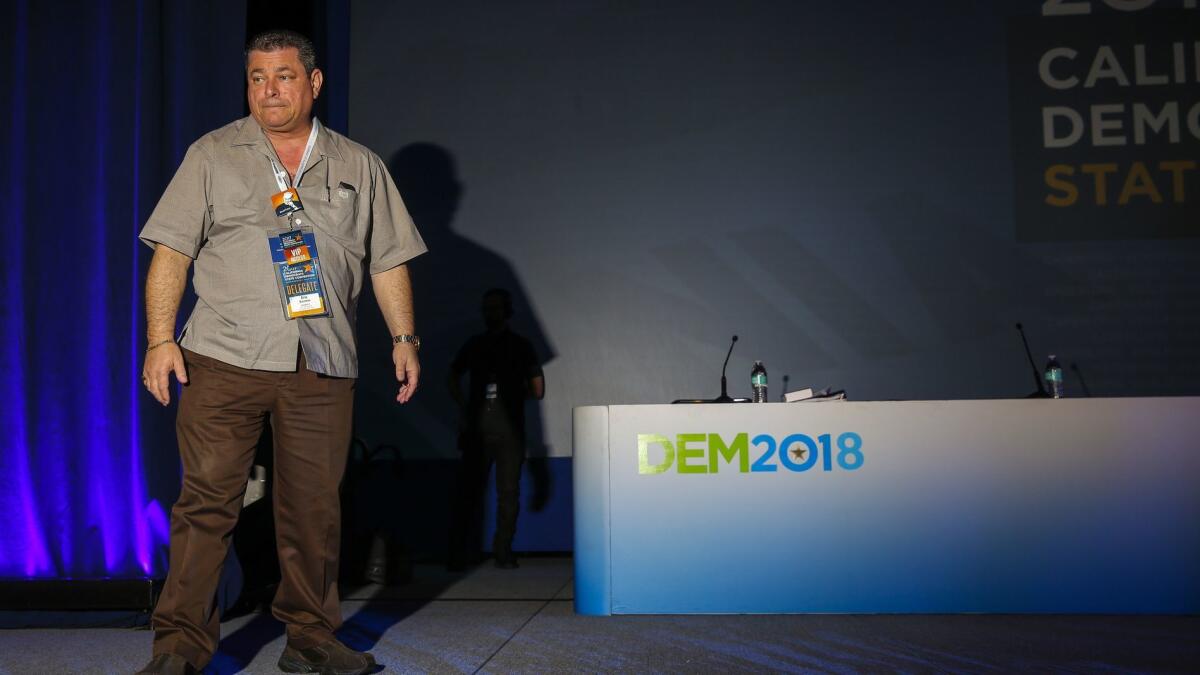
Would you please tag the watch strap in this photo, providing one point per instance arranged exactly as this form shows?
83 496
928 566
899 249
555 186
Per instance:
413 339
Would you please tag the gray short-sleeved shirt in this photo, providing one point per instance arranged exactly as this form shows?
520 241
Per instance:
218 211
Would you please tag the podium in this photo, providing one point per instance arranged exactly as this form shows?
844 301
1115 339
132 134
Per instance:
1005 506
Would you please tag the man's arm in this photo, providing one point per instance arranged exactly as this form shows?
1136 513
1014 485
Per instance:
537 387
164 289
393 292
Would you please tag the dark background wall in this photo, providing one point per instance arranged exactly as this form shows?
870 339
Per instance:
856 189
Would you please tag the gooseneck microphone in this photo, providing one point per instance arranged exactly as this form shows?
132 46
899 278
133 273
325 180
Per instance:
1082 382
1037 379
724 397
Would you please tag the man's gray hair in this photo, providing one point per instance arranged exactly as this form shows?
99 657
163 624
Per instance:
272 40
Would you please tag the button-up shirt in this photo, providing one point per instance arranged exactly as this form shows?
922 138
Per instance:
217 210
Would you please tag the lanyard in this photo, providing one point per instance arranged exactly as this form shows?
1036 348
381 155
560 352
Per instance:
281 177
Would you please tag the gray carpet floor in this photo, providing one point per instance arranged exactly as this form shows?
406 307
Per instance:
521 621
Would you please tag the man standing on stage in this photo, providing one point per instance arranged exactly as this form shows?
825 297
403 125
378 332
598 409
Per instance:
504 372
284 219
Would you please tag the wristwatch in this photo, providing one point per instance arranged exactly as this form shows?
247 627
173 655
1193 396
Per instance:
416 341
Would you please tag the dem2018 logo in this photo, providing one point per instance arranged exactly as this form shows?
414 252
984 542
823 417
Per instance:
705 453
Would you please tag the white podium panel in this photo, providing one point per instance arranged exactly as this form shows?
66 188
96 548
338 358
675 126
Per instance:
1074 505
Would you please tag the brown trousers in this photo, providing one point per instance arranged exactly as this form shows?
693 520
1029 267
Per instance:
221 415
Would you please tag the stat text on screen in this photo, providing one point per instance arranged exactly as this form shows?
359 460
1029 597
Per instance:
1105 120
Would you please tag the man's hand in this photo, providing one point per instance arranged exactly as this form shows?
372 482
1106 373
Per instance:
408 370
393 292
156 372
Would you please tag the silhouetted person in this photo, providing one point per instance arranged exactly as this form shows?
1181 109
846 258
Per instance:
433 190
503 371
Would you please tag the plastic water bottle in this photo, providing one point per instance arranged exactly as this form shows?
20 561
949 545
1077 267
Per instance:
758 382
1054 377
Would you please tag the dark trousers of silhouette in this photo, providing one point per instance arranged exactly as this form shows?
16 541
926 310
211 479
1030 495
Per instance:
221 416
496 442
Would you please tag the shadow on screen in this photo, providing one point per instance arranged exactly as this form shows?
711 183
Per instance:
448 283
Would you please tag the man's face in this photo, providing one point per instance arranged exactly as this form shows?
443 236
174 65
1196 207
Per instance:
494 311
280 95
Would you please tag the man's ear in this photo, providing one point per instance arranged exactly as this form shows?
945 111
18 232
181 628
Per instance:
316 79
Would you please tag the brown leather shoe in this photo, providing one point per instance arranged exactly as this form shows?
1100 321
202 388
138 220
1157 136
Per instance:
168 664
331 658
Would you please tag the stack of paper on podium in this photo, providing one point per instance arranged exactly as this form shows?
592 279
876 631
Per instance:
807 394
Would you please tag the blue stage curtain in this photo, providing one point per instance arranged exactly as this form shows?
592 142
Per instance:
101 101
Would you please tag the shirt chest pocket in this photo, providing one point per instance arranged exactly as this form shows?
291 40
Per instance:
339 214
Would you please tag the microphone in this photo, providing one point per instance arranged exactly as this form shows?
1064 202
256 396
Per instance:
1041 387
724 397
1082 382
